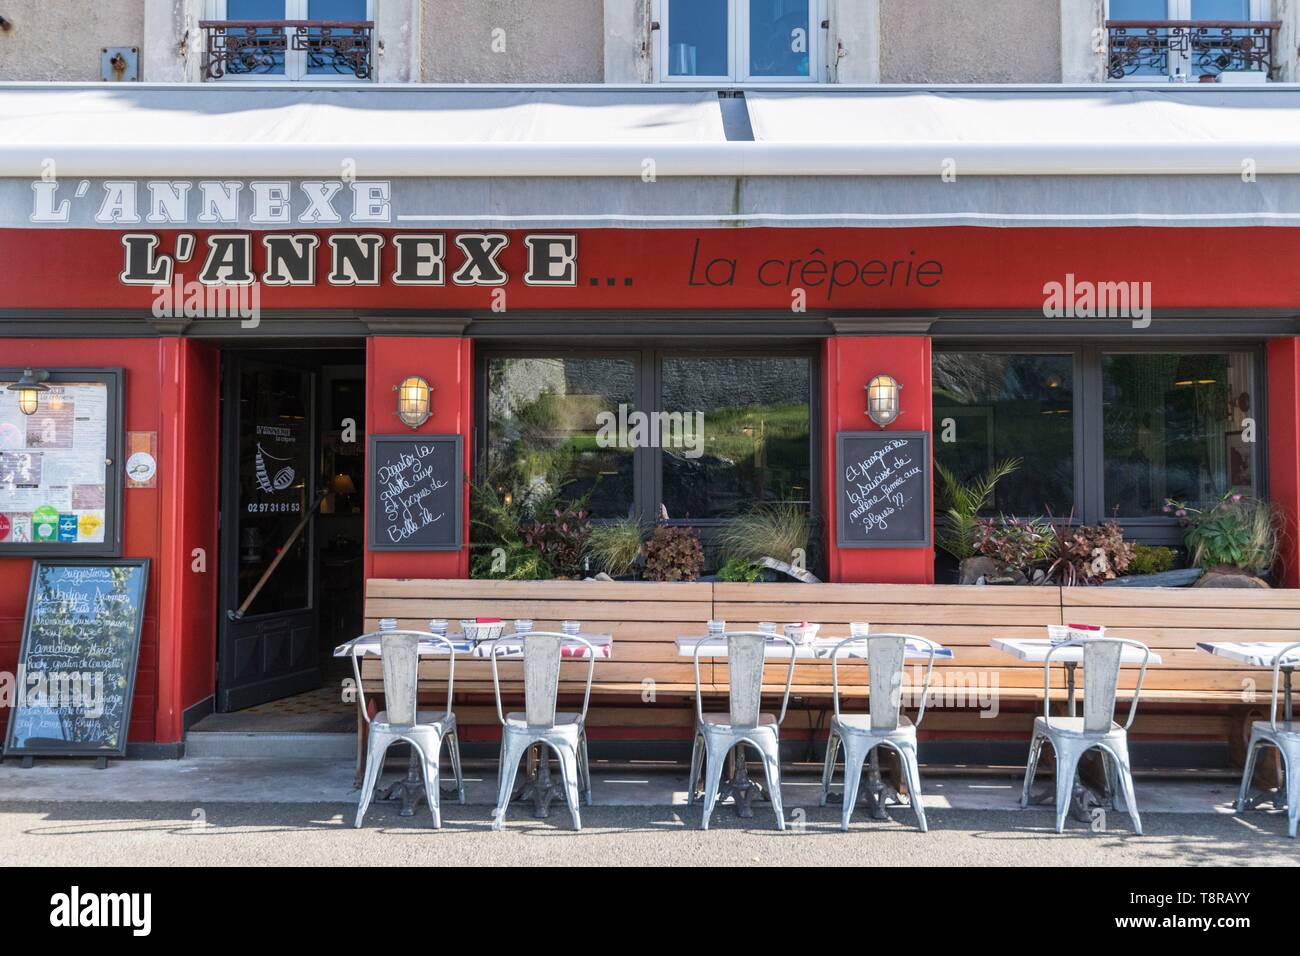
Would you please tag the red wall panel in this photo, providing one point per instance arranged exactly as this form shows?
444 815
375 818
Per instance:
447 364
1284 448
849 363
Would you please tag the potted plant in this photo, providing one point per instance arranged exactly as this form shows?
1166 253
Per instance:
673 554
960 504
1015 549
777 531
1235 539
615 547
1090 554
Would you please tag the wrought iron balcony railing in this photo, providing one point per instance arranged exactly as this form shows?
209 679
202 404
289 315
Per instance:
1198 47
253 47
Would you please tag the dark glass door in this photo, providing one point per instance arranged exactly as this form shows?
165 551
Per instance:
267 647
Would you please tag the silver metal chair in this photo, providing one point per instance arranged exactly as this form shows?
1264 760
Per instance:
744 723
402 720
885 725
1072 736
1285 736
564 733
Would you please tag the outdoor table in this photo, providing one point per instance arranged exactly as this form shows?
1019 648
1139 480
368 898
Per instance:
1036 649
537 781
738 784
1261 654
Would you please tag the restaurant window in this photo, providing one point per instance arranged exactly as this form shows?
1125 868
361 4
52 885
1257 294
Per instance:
741 40
61 464
303 39
1101 433
990 407
651 434
1194 39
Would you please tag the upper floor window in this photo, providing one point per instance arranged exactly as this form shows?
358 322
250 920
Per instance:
288 39
1194 40
740 40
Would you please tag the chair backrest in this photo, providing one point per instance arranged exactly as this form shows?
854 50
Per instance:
1102 657
1283 653
886 659
543 651
746 655
400 659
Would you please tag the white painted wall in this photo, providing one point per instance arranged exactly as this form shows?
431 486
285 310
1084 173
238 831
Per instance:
1083 56
853 42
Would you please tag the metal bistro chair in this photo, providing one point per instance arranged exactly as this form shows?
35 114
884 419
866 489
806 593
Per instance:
1286 738
565 733
402 720
744 723
1071 737
885 725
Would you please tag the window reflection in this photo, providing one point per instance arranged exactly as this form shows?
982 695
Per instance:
1174 429
1009 406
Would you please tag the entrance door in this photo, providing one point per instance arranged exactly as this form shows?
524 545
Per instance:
267 647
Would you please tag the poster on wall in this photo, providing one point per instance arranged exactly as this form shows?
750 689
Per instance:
882 489
57 489
77 660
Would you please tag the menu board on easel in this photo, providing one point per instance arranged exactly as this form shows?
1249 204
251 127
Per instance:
60 482
77 660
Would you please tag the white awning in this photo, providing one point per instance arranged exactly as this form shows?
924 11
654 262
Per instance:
228 130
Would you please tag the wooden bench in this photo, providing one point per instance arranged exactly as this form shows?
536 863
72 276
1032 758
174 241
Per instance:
647 690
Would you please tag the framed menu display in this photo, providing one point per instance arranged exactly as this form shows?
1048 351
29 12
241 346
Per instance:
60 475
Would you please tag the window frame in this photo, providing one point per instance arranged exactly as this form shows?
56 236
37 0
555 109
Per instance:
114 381
295 61
1088 423
1182 10
738 68
647 463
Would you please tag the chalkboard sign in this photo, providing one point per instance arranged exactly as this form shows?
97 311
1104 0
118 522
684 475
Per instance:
76 665
415 492
882 489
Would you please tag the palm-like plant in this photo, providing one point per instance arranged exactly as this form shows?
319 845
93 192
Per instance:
962 503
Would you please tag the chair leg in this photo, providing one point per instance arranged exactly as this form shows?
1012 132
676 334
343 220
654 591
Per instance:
771 751
374 764
855 755
570 774
1252 752
512 749
697 752
1067 765
912 768
428 754
1031 767
1124 775
453 747
715 759
828 768
1292 793
584 765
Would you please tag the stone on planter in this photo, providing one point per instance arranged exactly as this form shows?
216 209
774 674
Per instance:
971 570
1217 578
1181 578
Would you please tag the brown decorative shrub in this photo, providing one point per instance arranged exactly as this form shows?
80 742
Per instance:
673 554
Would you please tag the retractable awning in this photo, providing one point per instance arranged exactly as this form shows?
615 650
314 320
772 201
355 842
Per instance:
664 156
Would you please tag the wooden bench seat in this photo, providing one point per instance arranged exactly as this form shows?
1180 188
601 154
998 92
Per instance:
647 689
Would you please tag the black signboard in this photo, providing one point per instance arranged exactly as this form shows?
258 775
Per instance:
76 666
882 489
416 492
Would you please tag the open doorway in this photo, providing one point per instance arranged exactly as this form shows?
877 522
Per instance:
292 534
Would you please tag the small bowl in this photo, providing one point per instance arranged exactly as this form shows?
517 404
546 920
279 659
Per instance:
523 625
802 633
1058 634
571 627
482 633
767 627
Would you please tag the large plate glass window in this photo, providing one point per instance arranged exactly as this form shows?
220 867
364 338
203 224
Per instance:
989 407
744 435
60 467
272 56
1174 427
774 40
548 433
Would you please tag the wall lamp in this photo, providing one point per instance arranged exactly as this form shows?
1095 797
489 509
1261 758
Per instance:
29 388
882 400
414 400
